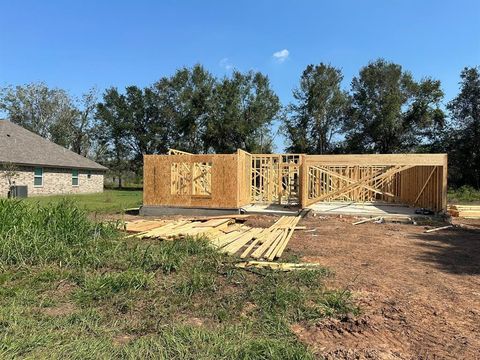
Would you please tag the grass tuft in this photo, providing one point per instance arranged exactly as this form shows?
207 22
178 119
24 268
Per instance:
104 286
60 233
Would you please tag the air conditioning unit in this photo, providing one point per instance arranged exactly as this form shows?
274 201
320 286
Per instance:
18 191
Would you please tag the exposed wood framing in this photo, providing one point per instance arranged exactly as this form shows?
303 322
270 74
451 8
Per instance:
232 181
177 152
275 178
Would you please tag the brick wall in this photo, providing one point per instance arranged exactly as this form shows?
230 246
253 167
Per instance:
55 181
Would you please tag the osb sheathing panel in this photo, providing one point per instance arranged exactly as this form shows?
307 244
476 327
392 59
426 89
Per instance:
244 163
157 181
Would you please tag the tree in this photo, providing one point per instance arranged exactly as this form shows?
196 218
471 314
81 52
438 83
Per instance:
112 132
464 134
243 108
131 125
9 171
391 112
185 101
84 127
318 112
47 112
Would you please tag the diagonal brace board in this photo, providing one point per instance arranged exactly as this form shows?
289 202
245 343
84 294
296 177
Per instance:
344 178
378 175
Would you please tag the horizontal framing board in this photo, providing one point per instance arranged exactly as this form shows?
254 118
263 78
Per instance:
379 159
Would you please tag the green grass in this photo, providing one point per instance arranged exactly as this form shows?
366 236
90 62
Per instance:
110 201
72 288
464 194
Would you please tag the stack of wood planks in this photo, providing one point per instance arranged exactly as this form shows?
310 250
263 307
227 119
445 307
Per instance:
465 211
227 234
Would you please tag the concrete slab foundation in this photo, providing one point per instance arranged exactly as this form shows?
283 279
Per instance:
163 210
270 209
331 208
363 209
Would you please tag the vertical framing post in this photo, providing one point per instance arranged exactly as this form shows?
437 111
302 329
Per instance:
303 181
444 183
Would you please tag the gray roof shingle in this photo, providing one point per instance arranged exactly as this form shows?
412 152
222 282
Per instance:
23 147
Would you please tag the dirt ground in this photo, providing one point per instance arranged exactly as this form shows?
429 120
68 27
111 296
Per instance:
419 292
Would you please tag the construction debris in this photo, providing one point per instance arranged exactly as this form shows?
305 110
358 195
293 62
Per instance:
277 266
439 228
227 234
465 211
367 220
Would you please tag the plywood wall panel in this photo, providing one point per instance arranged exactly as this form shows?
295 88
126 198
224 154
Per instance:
158 177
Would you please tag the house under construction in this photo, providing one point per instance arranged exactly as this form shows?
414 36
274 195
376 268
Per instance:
222 182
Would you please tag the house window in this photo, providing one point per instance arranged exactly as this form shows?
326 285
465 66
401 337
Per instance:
38 177
74 177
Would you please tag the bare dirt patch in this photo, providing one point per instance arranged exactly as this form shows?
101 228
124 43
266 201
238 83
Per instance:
261 221
60 310
123 339
419 293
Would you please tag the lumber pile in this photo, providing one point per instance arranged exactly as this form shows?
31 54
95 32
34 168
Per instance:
227 234
465 211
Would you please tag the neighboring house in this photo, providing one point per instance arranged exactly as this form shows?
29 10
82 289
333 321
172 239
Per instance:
44 167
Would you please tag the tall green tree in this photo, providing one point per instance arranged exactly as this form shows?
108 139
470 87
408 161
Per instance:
131 125
464 136
243 109
319 110
185 102
48 112
390 112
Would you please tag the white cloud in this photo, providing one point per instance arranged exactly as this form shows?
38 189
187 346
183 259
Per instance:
281 55
226 64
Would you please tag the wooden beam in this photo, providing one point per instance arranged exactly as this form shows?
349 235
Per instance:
424 185
178 152
379 159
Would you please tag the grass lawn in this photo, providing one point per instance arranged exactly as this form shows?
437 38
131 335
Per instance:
110 201
72 288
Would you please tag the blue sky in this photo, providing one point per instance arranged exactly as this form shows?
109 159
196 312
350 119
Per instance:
79 44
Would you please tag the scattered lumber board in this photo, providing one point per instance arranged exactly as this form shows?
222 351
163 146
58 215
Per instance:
439 228
367 220
277 265
236 217
142 225
224 233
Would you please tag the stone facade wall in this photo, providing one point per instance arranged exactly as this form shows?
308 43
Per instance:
55 181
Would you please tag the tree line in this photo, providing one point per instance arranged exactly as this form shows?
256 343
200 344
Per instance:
385 110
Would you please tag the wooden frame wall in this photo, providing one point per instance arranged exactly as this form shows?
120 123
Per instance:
418 180
235 180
